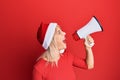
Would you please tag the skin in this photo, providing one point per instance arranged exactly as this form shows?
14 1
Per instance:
59 37
89 53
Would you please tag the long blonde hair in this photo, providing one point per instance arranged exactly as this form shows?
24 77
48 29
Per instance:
52 54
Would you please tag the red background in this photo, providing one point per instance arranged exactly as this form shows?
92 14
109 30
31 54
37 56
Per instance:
19 21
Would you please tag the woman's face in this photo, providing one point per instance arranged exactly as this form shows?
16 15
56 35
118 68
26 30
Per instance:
59 37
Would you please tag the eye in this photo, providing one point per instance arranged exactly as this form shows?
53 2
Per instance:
59 32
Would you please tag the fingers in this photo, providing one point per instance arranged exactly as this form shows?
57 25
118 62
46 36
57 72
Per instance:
89 42
90 39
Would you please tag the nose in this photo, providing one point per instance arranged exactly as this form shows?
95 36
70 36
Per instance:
64 33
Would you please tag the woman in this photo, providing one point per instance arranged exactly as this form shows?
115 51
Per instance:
56 63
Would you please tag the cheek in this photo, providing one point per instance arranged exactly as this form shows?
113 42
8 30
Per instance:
58 40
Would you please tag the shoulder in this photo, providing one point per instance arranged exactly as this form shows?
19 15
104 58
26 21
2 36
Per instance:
40 61
40 65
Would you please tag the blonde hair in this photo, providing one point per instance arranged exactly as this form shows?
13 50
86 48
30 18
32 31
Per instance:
52 55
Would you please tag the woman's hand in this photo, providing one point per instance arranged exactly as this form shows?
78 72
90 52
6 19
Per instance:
89 42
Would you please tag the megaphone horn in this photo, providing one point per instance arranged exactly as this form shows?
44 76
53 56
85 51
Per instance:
91 27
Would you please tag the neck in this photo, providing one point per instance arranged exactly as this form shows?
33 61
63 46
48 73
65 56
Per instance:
51 56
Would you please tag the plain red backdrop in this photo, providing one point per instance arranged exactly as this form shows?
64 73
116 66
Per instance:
20 19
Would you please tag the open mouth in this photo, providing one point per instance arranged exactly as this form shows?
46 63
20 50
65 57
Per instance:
64 40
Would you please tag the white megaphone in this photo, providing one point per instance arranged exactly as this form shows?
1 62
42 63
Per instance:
91 27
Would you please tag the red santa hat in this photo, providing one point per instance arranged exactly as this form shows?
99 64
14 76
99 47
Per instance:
45 34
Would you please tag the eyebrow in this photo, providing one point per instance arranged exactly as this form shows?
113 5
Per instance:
59 26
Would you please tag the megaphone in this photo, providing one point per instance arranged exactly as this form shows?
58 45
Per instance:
91 27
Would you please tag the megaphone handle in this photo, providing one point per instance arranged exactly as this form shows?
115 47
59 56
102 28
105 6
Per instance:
91 44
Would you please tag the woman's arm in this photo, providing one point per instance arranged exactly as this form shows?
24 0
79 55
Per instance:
36 74
89 42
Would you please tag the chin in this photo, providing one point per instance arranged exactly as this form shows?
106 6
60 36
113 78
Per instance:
65 47
62 47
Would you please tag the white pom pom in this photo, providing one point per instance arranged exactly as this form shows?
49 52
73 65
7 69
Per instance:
62 51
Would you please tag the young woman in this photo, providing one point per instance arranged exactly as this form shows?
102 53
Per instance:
56 63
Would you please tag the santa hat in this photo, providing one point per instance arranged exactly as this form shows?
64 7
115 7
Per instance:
45 34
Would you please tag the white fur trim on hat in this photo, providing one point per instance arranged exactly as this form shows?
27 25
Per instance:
49 35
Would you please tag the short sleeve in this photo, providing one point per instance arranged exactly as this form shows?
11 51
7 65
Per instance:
79 62
36 74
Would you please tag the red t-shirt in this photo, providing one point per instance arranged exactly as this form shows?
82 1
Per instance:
64 71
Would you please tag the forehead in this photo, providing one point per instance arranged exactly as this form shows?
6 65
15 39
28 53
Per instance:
58 27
